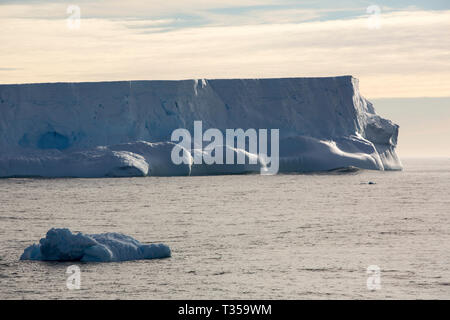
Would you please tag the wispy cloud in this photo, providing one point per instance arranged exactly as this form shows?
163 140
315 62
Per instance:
408 56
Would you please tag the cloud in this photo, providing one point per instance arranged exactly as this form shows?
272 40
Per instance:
108 9
407 57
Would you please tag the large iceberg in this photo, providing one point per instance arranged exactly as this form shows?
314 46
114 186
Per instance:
124 128
63 245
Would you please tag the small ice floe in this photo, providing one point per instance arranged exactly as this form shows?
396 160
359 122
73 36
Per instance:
63 245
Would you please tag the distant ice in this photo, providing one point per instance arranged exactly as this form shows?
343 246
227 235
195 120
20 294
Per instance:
63 245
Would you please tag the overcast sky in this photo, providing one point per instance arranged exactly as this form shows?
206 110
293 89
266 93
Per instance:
398 49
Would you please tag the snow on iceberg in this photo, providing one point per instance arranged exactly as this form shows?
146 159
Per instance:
63 245
124 128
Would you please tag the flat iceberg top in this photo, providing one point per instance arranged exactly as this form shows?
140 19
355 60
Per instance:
63 245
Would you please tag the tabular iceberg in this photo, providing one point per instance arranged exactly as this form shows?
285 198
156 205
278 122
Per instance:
63 245
124 128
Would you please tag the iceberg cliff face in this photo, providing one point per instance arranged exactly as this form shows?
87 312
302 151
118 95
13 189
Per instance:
124 128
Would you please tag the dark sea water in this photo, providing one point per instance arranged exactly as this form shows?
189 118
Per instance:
244 236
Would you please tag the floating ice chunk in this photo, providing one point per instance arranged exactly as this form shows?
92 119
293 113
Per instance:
63 245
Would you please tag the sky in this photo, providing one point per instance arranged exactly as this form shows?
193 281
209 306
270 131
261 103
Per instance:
399 50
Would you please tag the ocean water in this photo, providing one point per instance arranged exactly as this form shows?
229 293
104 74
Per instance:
291 236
